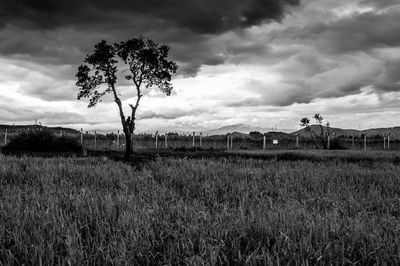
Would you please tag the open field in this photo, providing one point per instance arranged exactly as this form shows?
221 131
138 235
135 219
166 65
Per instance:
297 207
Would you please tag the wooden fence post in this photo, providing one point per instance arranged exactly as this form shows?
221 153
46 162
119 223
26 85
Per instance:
388 142
95 139
193 144
227 142
329 142
201 134
232 142
384 142
352 142
365 141
297 141
156 139
264 143
5 138
118 140
166 140
81 136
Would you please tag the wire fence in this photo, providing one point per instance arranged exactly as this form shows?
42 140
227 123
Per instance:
116 142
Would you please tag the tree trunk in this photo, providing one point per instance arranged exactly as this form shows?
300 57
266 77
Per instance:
322 138
313 139
128 146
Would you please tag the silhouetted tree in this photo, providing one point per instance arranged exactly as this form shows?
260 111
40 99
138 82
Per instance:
149 67
322 136
305 122
319 119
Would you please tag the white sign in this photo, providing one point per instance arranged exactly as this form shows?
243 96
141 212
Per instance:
275 142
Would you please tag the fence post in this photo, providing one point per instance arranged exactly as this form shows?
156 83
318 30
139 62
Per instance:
156 139
232 142
193 144
227 142
201 134
388 141
166 140
352 142
365 141
81 136
384 142
95 139
264 143
329 141
297 141
117 139
5 138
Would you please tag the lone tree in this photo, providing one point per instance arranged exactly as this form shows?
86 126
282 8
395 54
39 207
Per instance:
148 66
322 136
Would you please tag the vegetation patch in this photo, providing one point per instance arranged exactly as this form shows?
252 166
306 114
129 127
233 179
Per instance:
42 141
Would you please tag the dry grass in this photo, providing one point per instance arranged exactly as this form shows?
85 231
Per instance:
200 212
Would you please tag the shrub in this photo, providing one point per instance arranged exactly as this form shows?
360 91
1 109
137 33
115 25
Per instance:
256 135
337 144
42 141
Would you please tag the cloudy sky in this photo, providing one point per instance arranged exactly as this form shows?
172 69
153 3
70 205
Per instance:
264 63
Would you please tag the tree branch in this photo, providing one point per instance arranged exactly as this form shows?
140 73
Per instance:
312 133
322 135
134 108
119 103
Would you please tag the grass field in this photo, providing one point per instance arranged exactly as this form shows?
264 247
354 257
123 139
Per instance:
342 208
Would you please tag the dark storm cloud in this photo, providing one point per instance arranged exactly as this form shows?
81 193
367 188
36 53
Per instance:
211 16
360 32
328 58
63 32
381 3
252 49
278 96
389 79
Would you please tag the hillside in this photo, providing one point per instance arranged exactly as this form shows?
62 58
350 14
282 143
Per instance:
337 131
239 130
243 128
278 135
395 131
15 129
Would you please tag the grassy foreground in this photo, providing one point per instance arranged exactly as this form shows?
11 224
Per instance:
200 212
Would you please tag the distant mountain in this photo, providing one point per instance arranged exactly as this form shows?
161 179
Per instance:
337 131
394 132
238 130
243 128
12 129
278 135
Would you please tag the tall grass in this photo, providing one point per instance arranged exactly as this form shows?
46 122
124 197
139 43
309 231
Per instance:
177 211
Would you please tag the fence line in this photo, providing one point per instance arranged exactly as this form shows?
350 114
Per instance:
116 141
235 142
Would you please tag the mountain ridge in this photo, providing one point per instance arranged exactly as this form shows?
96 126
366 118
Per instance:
229 129
394 131
243 128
